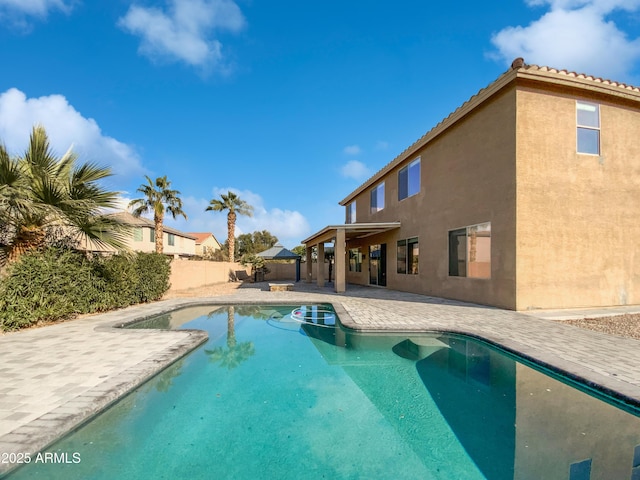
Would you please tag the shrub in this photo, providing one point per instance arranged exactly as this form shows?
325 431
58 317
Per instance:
153 276
56 284
48 285
120 281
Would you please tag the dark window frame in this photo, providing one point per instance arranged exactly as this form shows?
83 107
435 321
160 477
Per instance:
409 179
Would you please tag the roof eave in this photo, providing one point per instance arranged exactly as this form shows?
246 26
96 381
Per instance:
474 102
328 232
540 75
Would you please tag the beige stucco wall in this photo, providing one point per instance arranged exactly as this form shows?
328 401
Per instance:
467 178
186 274
182 246
287 271
578 225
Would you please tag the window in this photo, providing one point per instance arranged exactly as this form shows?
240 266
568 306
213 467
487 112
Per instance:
355 260
152 235
412 256
377 198
408 255
588 123
351 212
402 256
409 180
171 239
470 251
137 234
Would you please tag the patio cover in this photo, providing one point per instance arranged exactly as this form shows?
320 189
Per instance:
340 235
351 230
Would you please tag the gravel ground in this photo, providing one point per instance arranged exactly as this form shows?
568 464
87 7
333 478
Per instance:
627 325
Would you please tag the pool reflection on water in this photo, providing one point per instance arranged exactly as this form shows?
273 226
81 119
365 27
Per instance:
273 395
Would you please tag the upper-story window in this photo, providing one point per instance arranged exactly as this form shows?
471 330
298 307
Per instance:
171 239
409 180
588 125
377 198
137 234
152 235
351 212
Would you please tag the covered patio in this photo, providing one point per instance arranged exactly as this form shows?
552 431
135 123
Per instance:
339 235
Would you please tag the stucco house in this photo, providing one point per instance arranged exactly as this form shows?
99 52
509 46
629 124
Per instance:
142 239
527 196
206 243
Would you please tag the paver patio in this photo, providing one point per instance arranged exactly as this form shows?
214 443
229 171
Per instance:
56 377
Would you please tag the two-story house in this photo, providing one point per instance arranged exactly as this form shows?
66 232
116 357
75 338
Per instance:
527 196
142 238
206 243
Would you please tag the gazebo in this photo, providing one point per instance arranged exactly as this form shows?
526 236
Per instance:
278 252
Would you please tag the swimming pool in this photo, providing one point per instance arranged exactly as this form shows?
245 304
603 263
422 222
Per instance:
282 392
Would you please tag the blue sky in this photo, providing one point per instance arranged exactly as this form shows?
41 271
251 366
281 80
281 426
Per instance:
291 104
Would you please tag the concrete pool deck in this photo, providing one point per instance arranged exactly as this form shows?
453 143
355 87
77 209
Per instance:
56 377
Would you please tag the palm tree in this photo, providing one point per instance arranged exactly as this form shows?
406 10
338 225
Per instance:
158 198
41 194
235 353
235 206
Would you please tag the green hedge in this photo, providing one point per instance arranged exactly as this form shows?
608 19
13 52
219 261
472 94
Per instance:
57 284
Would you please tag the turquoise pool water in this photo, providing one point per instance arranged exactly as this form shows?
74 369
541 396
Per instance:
279 396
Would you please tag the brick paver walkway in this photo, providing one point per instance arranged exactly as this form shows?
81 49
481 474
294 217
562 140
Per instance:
55 377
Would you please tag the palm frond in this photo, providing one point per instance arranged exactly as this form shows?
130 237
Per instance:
40 193
158 198
104 231
39 157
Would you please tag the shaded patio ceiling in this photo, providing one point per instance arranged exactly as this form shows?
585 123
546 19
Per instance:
351 230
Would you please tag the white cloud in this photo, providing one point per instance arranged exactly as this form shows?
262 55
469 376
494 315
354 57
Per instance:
356 170
184 32
66 127
352 150
574 34
122 202
605 6
38 8
381 145
289 226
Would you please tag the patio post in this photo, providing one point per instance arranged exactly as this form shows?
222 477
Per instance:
340 260
309 262
320 264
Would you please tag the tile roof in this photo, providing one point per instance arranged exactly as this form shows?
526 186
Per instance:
591 78
278 252
518 69
201 236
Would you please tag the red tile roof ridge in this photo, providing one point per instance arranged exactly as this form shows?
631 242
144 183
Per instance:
584 76
200 236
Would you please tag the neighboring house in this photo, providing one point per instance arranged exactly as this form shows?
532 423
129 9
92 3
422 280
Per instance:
142 239
206 243
525 197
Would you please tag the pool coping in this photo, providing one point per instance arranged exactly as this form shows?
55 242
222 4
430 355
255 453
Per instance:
39 434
